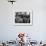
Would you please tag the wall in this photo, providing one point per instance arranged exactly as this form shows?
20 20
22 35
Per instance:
9 31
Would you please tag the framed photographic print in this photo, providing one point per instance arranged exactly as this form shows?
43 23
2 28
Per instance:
23 18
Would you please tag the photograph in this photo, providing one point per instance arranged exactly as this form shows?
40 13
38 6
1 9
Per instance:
23 18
